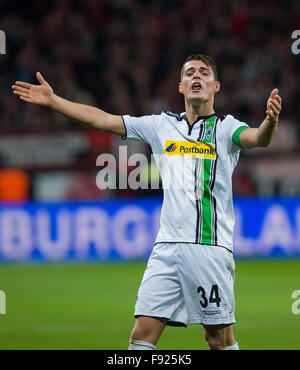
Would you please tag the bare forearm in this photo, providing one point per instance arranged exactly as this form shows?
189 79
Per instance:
266 132
86 115
81 113
262 136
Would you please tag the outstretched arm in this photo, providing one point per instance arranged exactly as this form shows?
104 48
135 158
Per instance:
85 114
263 135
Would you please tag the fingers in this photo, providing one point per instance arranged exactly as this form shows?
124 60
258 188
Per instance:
20 93
273 105
23 87
273 93
26 99
23 84
273 110
272 113
272 116
274 96
23 96
40 78
19 88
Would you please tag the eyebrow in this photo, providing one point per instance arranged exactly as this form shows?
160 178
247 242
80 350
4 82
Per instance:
201 68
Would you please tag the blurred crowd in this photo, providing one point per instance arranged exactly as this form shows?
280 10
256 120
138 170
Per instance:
125 56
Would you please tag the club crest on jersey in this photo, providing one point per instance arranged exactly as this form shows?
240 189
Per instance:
186 148
208 132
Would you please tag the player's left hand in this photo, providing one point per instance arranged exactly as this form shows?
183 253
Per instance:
273 107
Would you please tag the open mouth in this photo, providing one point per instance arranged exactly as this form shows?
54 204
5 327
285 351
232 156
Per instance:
196 86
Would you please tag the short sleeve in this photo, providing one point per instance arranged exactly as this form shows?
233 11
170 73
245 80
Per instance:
140 128
234 129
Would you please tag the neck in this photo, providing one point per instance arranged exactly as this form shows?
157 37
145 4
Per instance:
194 111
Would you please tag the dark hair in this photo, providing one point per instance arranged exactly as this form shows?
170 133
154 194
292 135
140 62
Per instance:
209 61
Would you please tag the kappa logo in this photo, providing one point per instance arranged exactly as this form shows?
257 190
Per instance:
211 313
171 148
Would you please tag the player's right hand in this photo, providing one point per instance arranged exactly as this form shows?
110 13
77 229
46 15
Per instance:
37 94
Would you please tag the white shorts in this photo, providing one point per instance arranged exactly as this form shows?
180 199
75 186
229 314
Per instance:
188 284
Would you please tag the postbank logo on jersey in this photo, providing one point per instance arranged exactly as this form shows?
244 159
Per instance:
186 148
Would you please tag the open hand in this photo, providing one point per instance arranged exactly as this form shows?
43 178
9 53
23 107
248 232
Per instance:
273 107
37 94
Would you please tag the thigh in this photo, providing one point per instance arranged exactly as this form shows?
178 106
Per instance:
160 292
207 278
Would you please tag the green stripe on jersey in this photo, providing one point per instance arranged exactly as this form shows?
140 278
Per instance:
236 136
206 177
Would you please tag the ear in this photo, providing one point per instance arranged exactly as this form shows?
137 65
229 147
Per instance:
217 86
180 87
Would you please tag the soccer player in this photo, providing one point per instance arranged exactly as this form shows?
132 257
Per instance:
189 278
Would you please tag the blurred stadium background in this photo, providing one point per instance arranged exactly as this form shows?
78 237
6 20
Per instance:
72 256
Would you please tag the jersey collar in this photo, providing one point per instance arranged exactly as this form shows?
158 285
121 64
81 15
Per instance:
190 126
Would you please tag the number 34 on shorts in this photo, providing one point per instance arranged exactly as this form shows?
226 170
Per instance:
213 296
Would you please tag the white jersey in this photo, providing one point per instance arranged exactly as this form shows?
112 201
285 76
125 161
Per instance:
196 164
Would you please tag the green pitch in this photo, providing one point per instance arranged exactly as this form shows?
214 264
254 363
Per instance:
90 306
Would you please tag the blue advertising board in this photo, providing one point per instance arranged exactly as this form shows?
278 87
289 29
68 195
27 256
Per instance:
267 227
123 229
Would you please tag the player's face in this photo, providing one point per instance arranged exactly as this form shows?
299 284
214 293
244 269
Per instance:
197 83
